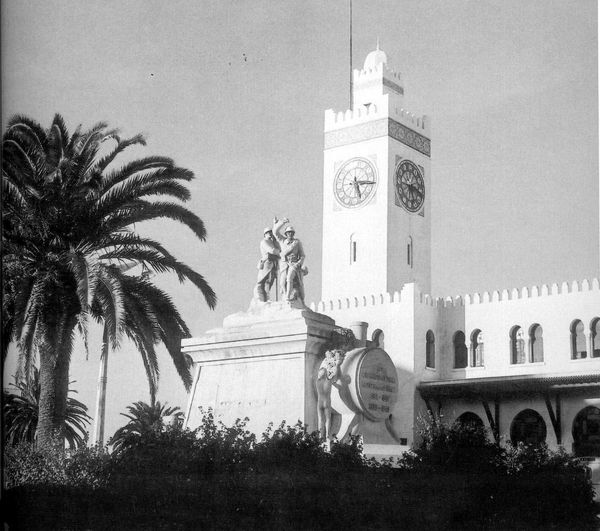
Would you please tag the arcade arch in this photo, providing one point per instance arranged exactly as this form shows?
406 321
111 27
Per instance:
586 432
468 418
528 427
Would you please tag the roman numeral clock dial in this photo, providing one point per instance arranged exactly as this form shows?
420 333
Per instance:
410 186
355 183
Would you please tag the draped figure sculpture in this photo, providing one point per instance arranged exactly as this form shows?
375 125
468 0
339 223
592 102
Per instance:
327 376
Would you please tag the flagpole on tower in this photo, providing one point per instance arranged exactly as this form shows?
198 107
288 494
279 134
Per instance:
351 71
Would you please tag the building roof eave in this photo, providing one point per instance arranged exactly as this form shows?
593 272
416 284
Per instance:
509 385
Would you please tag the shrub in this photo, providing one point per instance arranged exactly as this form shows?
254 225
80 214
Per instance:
455 446
565 479
84 467
216 448
523 458
212 447
289 446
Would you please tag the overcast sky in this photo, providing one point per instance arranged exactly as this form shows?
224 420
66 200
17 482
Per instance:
235 91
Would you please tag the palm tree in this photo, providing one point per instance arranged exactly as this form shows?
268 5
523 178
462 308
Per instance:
144 419
21 409
68 214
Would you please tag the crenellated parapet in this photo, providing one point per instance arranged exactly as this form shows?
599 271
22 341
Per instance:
376 110
364 301
486 297
358 115
378 71
528 292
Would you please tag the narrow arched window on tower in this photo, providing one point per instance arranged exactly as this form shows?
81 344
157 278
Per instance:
409 252
353 248
430 350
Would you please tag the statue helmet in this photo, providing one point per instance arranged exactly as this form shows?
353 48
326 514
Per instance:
289 228
267 229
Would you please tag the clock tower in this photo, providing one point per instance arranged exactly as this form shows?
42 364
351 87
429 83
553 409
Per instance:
377 189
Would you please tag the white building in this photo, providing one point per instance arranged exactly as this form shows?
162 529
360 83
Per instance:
525 362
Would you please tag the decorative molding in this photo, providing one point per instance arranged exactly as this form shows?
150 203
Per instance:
409 137
378 128
393 86
377 82
356 133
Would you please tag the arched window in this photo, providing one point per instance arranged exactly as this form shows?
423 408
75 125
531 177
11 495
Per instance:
477 348
460 351
528 427
517 345
586 432
536 344
468 418
578 347
409 251
430 349
595 337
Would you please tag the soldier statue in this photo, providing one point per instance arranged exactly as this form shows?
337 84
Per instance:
292 270
267 266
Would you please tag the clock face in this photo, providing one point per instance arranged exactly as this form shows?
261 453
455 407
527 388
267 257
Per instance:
410 187
355 183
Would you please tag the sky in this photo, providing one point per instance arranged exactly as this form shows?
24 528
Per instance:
235 90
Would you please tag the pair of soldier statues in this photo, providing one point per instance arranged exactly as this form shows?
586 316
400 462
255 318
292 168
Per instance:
282 258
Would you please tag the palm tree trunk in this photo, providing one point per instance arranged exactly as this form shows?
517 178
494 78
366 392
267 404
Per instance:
101 395
54 387
55 358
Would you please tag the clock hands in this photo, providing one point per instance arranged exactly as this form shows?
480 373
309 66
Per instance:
357 187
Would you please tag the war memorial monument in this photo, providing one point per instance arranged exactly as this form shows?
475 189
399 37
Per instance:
378 351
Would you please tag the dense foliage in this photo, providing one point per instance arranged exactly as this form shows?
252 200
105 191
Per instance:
448 447
144 421
25 464
21 408
69 210
224 477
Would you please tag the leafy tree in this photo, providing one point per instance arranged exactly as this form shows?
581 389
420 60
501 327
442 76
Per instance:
144 420
21 414
69 211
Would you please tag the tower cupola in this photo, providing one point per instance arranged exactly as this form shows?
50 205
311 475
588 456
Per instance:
376 81
374 58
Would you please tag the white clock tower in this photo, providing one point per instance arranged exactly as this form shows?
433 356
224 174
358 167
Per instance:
377 190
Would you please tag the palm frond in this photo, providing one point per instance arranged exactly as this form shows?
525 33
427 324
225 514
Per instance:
142 210
142 185
121 146
58 139
28 131
143 165
11 149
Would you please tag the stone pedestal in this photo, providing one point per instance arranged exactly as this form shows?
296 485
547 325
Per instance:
259 365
